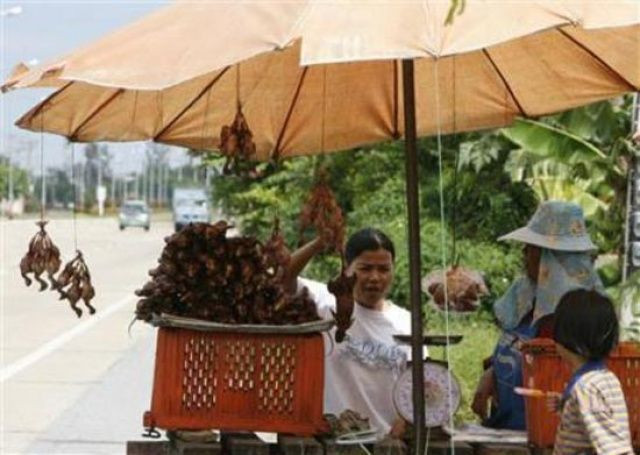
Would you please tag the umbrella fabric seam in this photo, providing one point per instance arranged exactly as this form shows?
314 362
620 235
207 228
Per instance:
396 103
276 150
42 105
524 113
190 104
596 57
72 137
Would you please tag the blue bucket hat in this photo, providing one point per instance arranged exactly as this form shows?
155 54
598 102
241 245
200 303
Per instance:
556 225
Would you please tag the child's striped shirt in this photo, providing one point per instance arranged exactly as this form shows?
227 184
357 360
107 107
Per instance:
594 417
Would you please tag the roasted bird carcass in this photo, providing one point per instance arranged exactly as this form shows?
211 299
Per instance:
42 256
342 288
75 277
322 212
464 287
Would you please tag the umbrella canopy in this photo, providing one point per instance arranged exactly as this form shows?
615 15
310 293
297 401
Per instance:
318 76
163 78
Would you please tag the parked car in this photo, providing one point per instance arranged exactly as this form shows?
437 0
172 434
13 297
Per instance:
135 213
190 205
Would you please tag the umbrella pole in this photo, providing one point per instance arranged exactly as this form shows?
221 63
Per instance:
413 208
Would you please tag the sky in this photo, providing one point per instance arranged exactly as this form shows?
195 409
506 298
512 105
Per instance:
44 30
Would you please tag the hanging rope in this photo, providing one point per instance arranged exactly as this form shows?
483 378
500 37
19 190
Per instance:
42 178
324 106
75 198
238 103
444 247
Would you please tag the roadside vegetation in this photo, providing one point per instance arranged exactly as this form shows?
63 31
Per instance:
493 182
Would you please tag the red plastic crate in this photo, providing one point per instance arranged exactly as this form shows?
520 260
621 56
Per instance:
238 381
544 369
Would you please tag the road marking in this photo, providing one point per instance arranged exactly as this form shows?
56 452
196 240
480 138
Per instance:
62 339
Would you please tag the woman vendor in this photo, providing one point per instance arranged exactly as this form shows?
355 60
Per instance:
558 258
361 370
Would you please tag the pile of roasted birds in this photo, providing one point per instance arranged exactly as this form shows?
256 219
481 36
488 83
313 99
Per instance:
464 289
44 256
348 421
207 275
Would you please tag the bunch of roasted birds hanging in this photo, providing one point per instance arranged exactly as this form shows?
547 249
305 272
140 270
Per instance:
42 256
464 288
321 211
236 143
75 277
342 288
206 275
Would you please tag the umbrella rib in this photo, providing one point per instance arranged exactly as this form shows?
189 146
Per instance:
598 58
40 106
191 103
395 133
506 83
72 136
276 151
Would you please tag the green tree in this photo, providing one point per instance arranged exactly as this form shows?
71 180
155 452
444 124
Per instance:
581 155
369 184
20 180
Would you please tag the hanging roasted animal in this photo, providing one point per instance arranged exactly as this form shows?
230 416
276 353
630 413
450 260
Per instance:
321 211
74 284
236 143
277 254
204 274
465 287
42 256
342 288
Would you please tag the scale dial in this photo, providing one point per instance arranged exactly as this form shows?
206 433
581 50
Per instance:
436 394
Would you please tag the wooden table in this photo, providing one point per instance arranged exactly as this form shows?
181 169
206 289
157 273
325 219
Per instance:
249 444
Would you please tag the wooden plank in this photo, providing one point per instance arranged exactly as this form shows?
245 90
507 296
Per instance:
390 446
294 445
243 444
331 448
502 449
148 448
387 446
197 448
443 447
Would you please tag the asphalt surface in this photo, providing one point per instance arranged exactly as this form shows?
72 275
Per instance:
72 385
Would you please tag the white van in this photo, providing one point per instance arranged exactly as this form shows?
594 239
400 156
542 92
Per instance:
190 205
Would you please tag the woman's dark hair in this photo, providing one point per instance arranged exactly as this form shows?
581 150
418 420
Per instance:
367 239
586 324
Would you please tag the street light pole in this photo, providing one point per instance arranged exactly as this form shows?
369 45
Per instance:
10 211
11 12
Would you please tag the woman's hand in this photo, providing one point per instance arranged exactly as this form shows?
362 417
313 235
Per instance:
398 428
553 401
485 392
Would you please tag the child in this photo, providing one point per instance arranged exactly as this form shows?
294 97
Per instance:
594 414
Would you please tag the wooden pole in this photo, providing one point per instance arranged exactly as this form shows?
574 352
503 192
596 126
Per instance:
413 209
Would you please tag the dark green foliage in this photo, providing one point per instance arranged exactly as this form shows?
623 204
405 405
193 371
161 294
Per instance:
370 187
20 180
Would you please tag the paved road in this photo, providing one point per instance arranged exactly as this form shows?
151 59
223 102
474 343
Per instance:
72 385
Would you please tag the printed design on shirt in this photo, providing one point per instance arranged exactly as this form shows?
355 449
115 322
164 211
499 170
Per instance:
374 354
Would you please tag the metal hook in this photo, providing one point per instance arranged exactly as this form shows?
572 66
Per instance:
152 433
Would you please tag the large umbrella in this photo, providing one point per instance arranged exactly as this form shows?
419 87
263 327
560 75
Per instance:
315 77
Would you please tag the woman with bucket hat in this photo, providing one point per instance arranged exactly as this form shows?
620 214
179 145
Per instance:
558 258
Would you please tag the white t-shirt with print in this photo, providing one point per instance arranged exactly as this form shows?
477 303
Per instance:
361 371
